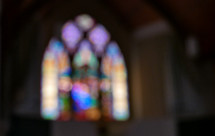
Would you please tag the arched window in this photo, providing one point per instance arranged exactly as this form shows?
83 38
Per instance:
84 74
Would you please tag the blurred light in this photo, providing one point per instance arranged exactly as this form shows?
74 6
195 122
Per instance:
65 108
65 84
120 100
85 22
64 64
106 65
92 82
49 90
72 90
55 45
99 37
81 96
113 50
71 35
85 56
113 66
93 114
105 85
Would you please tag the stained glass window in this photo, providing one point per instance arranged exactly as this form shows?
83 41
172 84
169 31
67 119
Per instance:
84 75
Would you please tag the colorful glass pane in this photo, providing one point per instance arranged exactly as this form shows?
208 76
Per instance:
49 92
64 85
85 103
99 37
114 82
71 35
94 85
113 50
85 22
85 56
55 81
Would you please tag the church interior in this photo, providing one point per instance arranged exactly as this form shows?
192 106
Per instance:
127 68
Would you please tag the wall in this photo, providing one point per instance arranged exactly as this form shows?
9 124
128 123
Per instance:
152 86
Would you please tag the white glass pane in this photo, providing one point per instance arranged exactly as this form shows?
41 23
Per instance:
85 22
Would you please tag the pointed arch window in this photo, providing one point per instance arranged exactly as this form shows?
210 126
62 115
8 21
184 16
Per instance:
84 74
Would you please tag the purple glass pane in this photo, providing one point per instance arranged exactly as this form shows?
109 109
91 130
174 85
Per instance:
71 35
99 37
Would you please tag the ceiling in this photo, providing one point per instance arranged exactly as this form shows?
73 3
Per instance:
189 17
